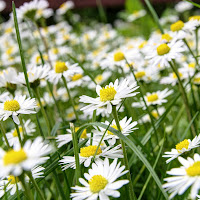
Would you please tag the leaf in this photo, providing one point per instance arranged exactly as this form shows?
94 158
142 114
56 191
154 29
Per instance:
55 128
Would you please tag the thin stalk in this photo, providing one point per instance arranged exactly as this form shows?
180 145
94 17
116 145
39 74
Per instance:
36 186
131 192
185 99
102 13
23 128
36 91
18 198
76 152
20 48
4 134
18 133
154 14
197 41
93 120
70 98
26 187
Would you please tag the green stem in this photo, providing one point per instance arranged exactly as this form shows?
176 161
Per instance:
197 41
154 14
26 187
18 134
185 99
4 135
76 153
36 186
70 98
131 192
93 120
36 91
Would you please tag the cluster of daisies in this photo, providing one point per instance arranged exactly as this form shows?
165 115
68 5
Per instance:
64 98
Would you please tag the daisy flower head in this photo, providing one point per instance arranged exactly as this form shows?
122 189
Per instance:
126 125
14 161
68 5
136 15
86 154
101 181
2 5
164 53
184 177
14 107
182 6
181 147
64 69
12 136
109 95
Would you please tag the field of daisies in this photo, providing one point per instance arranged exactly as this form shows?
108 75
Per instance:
96 110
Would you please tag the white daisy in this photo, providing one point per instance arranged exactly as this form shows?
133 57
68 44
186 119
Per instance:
181 147
2 5
184 177
16 106
182 6
136 15
126 125
101 181
12 136
86 154
63 69
68 5
112 94
164 53
14 161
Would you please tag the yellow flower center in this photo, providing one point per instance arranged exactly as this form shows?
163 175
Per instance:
60 67
107 93
142 44
174 75
9 30
152 97
118 56
9 51
70 115
197 17
177 26
11 105
194 170
140 74
155 114
191 65
76 77
64 5
181 145
55 50
163 49
89 151
115 127
14 157
197 80
15 132
166 37
84 133
13 179
97 183
99 78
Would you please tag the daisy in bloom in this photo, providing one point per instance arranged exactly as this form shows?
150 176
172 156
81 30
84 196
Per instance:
16 106
164 53
64 69
11 183
196 79
126 125
35 74
14 161
86 154
2 5
181 147
12 136
68 5
155 98
184 177
109 95
66 138
136 15
101 181
182 6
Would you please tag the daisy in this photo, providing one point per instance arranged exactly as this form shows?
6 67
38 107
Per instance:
126 125
9 183
16 106
164 53
183 6
196 79
101 181
12 136
109 95
86 154
182 147
64 69
14 161
184 177
136 15
2 5
68 5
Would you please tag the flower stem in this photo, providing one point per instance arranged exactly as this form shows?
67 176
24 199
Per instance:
70 98
36 186
26 187
76 152
185 99
131 192
18 134
4 134
36 91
